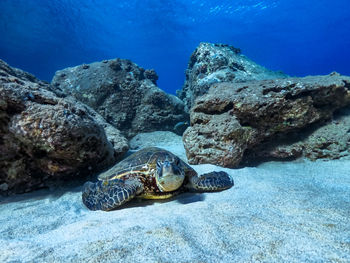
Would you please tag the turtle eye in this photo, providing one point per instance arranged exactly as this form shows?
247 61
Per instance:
159 164
159 168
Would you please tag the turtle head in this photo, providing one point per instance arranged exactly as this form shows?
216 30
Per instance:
169 175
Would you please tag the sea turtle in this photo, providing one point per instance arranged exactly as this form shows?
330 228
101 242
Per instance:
151 173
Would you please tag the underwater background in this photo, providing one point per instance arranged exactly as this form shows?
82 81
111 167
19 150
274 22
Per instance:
297 37
284 141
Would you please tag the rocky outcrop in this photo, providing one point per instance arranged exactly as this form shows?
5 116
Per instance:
213 63
124 94
326 140
44 137
233 119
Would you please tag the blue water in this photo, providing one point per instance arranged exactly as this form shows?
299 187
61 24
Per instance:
298 37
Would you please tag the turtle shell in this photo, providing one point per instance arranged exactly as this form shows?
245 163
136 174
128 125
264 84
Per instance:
142 166
143 162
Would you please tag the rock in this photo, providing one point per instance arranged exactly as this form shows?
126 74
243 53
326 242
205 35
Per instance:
235 118
213 63
330 140
44 137
124 94
114 136
180 127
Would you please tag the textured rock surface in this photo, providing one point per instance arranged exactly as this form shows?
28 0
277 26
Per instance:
213 63
44 137
124 94
329 140
235 117
276 212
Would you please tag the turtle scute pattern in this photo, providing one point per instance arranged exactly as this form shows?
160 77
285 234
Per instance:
214 181
136 176
107 195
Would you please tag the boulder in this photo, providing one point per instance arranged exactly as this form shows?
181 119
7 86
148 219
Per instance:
326 140
234 119
44 138
124 94
213 63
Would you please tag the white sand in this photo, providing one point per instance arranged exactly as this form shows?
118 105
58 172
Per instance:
276 212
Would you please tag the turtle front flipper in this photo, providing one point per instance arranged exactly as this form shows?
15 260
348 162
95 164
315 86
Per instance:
108 195
213 181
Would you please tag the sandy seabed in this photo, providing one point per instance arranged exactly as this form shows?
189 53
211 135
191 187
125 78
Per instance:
276 212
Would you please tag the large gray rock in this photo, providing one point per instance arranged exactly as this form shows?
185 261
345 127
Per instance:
124 94
44 137
326 140
213 63
235 118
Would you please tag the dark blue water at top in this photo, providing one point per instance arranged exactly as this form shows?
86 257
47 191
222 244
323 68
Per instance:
298 37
